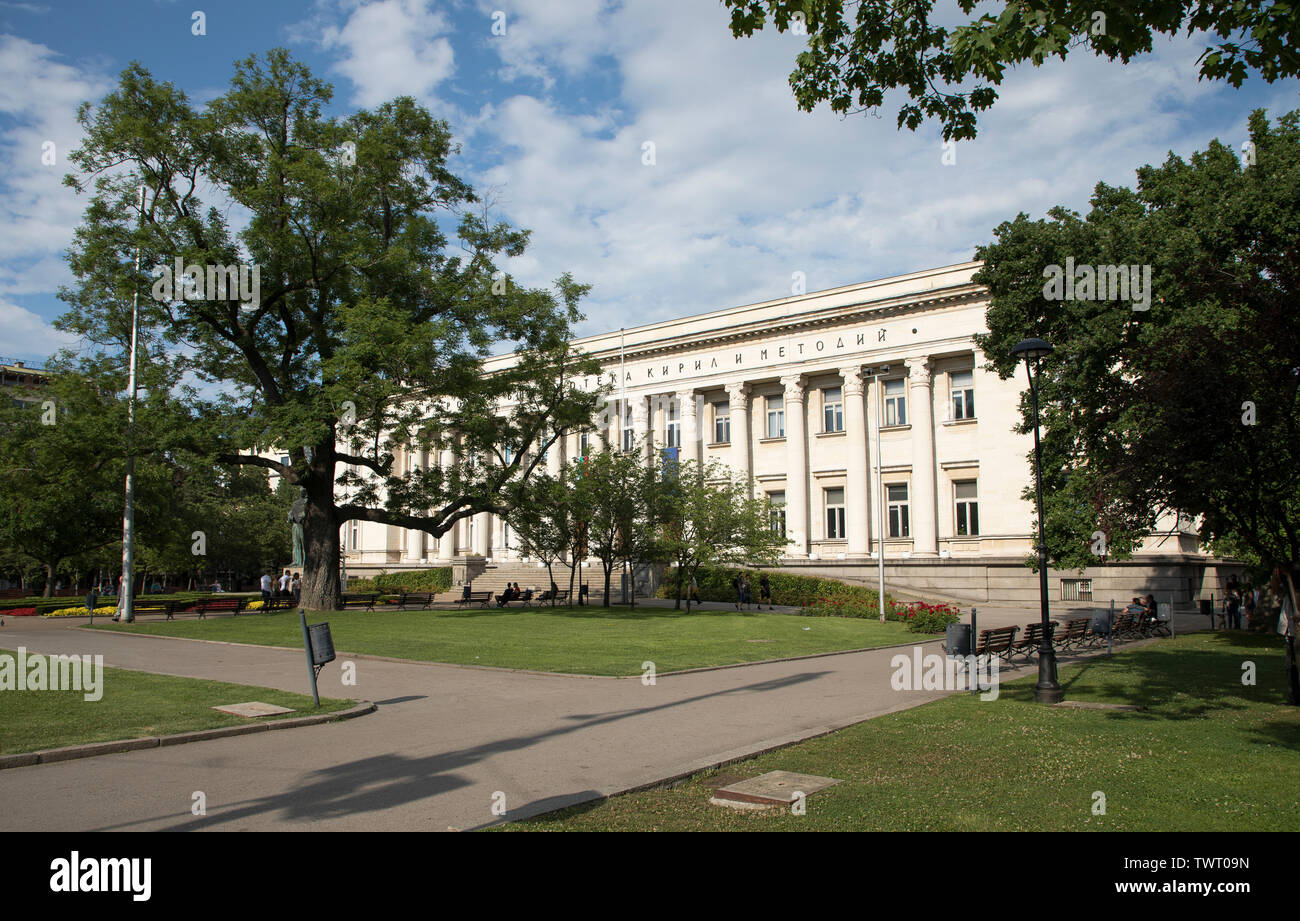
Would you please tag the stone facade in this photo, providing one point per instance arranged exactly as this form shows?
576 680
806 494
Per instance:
797 393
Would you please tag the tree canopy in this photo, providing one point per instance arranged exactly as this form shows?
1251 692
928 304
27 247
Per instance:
1191 405
855 56
368 298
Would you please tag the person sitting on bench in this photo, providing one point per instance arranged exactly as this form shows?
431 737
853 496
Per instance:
507 596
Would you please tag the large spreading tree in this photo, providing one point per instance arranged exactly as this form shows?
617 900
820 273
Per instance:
857 53
379 299
1191 405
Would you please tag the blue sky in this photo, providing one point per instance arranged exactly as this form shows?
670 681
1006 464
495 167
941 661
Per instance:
552 117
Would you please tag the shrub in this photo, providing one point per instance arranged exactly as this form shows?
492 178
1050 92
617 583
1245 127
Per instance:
787 588
79 611
415 580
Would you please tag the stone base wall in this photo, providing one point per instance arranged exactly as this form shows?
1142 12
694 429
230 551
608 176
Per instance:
1176 578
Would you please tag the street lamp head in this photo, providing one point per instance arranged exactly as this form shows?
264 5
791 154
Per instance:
1031 348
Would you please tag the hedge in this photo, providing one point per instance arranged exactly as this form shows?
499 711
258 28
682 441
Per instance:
787 588
413 580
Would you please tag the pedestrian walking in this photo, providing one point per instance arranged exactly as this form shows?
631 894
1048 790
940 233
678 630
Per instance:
296 587
266 587
695 591
765 591
735 586
745 598
285 581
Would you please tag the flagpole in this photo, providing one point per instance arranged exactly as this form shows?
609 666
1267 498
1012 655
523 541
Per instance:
126 609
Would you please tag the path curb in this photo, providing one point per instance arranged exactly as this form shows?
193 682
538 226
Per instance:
94 749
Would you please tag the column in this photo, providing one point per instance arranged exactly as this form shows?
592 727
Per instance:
414 538
796 468
447 542
482 544
640 424
857 508
555 457
738 399
925 535
690 449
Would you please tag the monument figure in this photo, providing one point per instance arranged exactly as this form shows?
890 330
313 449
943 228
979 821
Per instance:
297 515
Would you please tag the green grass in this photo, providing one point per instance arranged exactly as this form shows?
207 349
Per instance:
1208 754
134 705
576 640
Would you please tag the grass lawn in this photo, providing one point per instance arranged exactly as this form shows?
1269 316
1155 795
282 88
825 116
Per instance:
577 640
134 705
1208 754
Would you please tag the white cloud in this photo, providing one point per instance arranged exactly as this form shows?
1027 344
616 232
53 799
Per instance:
391 48
39 96
27 335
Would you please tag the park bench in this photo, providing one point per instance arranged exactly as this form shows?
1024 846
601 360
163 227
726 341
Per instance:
479 598
283 603
996 642
143 606
1162 625
1028 644
561 595
525 599
423 599
359 600
217 606
1074 635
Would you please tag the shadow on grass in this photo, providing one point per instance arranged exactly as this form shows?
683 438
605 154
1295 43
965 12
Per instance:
1175 682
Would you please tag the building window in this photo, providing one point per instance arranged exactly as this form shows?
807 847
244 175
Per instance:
833 409
722 423
355 536
968 510
509 453
898 517
584 443
962 384
285 459
776 511
835 514
628 432
673 427
896 402
1076 589
776 417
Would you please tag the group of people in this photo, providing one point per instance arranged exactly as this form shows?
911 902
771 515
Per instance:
512 593
1240 598
744 598
287 586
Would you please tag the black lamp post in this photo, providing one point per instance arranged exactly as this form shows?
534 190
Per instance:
1048 690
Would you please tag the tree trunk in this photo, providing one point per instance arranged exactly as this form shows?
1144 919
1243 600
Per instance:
677 605
49 581
608 570
320 577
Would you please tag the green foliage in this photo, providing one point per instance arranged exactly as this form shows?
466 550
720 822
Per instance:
950 74
379 299
437 579
787 589
1189 406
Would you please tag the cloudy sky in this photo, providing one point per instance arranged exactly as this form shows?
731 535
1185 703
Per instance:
553 118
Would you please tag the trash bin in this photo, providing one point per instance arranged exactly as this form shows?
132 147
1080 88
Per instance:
1101 622
957 640
1207 608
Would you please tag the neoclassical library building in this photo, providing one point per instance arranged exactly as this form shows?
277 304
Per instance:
865 415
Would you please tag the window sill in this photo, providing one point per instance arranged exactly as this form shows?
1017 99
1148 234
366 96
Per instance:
839 434
718 444
765 441
971 421
895 428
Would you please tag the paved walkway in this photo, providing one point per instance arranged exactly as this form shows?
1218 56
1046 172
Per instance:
444 740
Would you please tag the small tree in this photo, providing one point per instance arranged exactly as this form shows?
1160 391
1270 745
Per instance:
710 519
540 520
618 497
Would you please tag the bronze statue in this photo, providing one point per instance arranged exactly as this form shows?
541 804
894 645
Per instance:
297 515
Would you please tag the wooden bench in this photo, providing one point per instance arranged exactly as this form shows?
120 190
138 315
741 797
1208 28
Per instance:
1029 644
1074 635
283 603
217 606
525 599
996 642
480 598
423 599
359 600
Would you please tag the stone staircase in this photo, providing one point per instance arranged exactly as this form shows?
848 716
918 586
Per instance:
497 574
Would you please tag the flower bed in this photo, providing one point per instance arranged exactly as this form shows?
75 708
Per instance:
19 612
79 611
